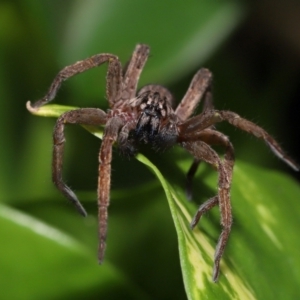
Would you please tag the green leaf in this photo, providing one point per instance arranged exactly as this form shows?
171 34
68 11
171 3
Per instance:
261 260
262 250
54 263
197 250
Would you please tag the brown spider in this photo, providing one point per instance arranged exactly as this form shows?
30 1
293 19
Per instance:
147 117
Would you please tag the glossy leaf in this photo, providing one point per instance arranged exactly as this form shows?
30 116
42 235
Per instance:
53 262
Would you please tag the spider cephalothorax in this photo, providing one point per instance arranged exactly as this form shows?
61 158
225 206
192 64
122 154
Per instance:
148 117
154 120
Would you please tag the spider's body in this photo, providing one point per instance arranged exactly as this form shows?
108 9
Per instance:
148 117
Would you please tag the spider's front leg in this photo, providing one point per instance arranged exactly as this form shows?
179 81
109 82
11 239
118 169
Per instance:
111 133
202 151
133 71
114 68
199 88
84 116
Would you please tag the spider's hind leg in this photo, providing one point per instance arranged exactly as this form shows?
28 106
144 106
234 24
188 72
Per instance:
112 128
203 151
203 208
200 87
211 137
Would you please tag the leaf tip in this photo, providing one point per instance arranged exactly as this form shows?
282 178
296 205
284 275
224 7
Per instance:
30 108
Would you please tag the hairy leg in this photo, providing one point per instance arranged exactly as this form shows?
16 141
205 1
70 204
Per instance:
133 71
190 129
258 132
81 66
203 208
213 138
84 116
105 156
114 79
202 151
207 105
200 87
193 127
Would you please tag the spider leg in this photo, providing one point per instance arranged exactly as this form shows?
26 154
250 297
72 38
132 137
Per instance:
207 105
189 178
105 156
199 87
213 138
114 74
202 151
258 132
133 71
114 80
203 208
192 127
86 116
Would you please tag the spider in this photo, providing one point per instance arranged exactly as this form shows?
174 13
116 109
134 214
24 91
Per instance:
148 117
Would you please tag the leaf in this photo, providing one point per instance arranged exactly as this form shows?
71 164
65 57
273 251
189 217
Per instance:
56 264
261 260
263 245
197 251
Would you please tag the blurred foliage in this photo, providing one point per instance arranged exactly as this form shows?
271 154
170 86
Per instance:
252 47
